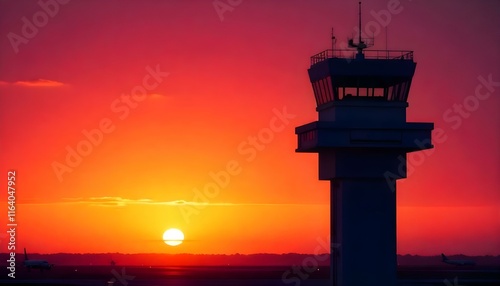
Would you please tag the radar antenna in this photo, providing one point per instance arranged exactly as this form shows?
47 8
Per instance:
360 45
334 40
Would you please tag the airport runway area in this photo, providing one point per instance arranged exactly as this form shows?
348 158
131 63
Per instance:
233 275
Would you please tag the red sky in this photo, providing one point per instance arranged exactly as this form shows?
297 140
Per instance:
221 79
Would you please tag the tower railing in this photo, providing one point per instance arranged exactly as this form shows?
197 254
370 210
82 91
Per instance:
369 54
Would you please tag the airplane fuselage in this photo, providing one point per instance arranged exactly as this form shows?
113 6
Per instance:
456 262
460 262
37 264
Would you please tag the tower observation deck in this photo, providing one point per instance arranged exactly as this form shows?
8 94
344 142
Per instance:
362 138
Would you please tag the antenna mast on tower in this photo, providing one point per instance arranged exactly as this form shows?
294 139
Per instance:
333 43
359 24
360 45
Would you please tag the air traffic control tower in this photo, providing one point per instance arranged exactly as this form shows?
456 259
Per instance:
362 139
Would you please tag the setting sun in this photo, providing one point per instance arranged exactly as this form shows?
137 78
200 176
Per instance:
173 237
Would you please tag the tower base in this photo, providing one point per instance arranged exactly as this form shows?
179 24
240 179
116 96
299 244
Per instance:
363 231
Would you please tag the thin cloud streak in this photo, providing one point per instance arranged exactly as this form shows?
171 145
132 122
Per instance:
122 202
39 83
34 83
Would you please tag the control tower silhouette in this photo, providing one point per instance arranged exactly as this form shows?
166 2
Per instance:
362 139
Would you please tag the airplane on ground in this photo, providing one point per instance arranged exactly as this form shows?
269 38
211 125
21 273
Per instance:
36 264
457 262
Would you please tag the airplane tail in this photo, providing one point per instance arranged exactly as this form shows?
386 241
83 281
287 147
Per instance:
444 257
25 254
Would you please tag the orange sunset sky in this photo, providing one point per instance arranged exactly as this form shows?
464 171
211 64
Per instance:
207 142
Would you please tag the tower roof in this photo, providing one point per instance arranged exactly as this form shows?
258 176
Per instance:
372 74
